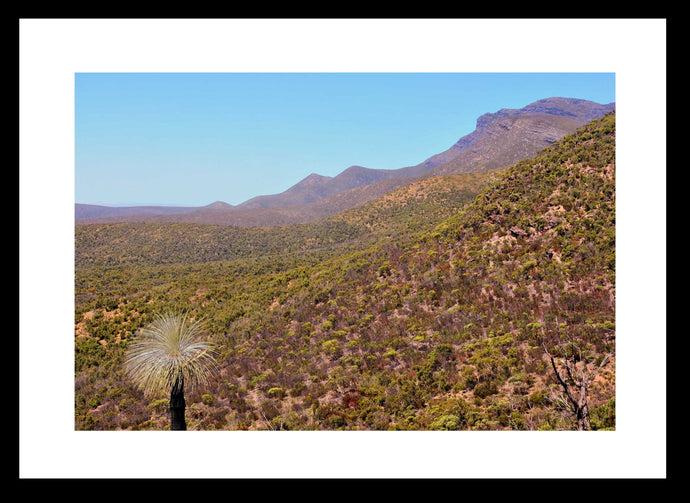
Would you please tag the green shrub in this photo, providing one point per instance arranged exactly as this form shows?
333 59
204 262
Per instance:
604 416
276 392
93 402
446 422
332 348
159 406
126 403
538 398
484 389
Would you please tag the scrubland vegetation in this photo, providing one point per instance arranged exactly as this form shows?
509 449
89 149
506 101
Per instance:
435 307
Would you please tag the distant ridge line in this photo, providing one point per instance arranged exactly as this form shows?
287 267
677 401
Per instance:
500 139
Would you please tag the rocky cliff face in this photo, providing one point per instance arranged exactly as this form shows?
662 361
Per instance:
582 111
507 140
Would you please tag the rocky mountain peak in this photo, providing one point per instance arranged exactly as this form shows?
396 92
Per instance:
574 108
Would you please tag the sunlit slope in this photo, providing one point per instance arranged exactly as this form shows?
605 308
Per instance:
413 207
438 327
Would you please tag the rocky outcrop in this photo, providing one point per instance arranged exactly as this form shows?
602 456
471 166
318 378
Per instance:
579 110
507 140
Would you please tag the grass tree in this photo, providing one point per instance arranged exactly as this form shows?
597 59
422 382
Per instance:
169 354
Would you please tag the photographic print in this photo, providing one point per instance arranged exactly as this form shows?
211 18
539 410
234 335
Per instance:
345 251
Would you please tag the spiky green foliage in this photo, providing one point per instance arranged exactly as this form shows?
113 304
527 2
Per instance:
170 348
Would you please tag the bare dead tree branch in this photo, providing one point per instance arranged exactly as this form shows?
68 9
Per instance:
268 423
576 389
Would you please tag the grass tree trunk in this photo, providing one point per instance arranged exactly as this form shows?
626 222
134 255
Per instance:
168 350
177 405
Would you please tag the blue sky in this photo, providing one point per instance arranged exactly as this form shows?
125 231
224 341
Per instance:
194 138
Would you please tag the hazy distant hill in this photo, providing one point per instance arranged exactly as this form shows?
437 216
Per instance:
85 211
415 206
499 140
316 187
82 211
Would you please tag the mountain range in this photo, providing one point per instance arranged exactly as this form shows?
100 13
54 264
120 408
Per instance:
499 140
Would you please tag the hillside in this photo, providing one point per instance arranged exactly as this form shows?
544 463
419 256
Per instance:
411 208
499 140
581 111
316 187
508 140
84 211
439 324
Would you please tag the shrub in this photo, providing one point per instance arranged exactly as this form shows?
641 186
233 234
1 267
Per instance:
297 389
484 389
446 422
604 416
159 406
538 398
332 348
390 353
126 403
276 392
